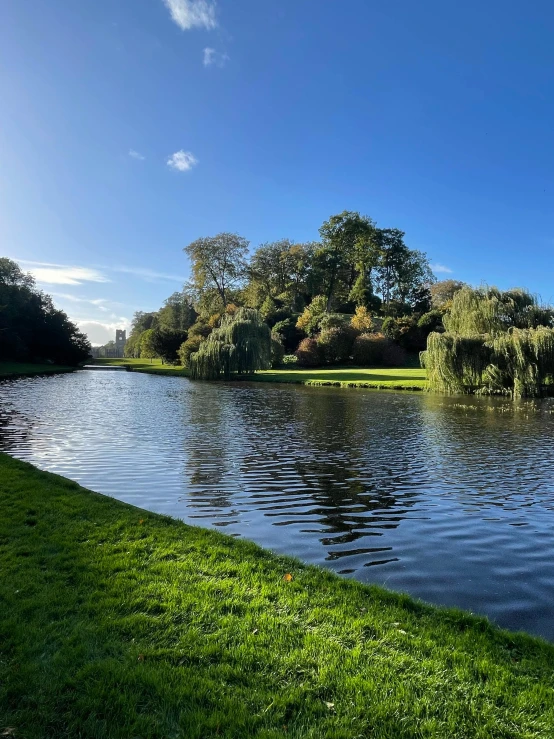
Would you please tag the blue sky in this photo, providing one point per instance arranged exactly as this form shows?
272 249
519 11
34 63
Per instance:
122 139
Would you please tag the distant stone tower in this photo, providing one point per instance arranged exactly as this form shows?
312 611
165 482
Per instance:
120 339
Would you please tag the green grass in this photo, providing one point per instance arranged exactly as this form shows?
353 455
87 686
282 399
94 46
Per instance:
154 367
118 623
23 369
405 378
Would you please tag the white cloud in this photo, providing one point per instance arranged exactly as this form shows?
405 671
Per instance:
136 155
214 58
441 268
149 275
100 333
189 14
182 161
61 274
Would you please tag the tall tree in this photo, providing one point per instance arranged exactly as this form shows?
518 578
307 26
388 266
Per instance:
345 251
218 262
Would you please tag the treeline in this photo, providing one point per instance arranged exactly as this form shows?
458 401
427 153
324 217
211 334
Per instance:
359 294
31 327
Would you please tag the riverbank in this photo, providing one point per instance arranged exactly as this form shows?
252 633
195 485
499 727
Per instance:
147 366
116 622
382 378
27 369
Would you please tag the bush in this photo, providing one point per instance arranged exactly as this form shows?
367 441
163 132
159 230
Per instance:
200 328
405 332
288 334
377 350
331 320
335 344
290 359
307 354
431 321
277 352
309 320
362 320
188 347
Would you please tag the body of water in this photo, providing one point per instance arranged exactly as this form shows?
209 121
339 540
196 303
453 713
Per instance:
448 499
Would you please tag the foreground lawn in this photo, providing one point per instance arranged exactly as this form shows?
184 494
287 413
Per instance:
20 369
117 623
151 367
404 378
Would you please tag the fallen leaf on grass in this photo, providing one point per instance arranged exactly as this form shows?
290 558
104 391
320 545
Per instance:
330 706
141 658
287 577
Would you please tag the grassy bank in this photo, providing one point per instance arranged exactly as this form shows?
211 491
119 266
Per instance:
25 369
404 378
151 367
117 623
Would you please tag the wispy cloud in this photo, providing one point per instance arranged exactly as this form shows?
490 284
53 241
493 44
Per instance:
100 303
136 155
61 274
149 275
215 58
189 14
440 268
182 161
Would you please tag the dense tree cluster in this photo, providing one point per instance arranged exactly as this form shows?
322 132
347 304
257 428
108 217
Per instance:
31 327
317 298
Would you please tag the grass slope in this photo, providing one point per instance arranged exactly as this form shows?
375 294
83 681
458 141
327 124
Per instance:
118 623
24 369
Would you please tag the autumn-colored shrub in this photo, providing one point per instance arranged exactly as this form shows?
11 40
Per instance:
362 320
308 354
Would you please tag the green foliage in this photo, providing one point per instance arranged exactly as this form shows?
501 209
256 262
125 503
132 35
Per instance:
431 321
310 318
200 328
335 344
31 327
496 342
187 348
177 313
147 347
405 332
277 352
290 360
288 334
166 344
242 344
308 354
218 263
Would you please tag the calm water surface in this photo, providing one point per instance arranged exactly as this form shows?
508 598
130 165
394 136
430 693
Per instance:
449 499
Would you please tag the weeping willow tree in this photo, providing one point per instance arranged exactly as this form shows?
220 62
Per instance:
495 342
242 344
